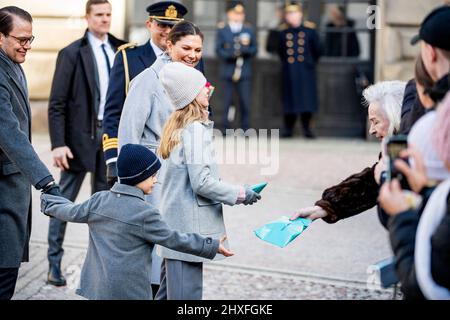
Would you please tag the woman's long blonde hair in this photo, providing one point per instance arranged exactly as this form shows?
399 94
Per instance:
173 128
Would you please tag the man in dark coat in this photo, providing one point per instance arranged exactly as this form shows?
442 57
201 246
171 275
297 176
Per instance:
299 52
129 62
236 46
20 166
75 112
334 38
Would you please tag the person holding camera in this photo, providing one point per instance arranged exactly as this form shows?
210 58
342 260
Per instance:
359 192
420 236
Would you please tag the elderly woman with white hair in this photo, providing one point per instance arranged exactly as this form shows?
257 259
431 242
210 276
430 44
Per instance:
359 192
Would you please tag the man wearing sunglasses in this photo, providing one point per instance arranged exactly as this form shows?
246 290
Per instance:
20 166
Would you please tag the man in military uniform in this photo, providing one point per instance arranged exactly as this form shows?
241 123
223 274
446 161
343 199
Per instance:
236 45
299 50
129 62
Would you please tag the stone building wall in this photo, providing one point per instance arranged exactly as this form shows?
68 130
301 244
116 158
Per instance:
56 24
400 21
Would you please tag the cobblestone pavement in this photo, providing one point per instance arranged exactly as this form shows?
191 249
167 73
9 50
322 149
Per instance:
326 262
221 282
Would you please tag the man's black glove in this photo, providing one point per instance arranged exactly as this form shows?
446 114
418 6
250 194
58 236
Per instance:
111 174
53 189
251 196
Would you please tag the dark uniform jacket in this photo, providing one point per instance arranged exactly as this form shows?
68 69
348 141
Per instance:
74 103
139 58
229 48
299 50
20 166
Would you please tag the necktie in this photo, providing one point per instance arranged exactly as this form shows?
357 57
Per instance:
106 58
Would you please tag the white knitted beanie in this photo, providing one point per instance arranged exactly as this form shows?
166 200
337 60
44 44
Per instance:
420 137
182 83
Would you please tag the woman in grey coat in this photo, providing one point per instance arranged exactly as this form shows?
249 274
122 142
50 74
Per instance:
192 193
147 107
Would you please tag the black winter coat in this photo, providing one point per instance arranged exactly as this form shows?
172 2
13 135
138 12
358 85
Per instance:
74 102
402 233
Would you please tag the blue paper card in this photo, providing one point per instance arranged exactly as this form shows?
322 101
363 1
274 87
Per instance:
283 231
259 187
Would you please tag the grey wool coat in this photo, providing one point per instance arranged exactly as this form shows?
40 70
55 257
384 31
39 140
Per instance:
20 166
146 108
192 192
123 229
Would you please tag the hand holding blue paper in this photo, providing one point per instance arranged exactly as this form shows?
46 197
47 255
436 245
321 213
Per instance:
283 231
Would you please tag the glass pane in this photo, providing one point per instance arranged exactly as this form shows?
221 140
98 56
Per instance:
269 14
262 40
340 41
209 43
206 12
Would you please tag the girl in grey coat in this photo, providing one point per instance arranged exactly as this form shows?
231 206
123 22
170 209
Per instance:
123 228
147 107
192 192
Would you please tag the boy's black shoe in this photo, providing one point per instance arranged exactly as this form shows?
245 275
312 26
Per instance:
54 276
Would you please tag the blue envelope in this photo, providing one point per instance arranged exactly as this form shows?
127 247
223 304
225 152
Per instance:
283 231
259 187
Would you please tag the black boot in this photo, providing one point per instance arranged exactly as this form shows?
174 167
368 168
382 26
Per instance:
289 123
55 277
306 124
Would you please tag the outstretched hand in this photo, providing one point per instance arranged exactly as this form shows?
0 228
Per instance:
222 250
311 213
251 196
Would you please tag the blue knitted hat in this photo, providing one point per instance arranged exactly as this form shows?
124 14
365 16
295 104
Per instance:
136 163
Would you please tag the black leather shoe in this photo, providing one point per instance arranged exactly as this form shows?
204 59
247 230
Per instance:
54 276
309 134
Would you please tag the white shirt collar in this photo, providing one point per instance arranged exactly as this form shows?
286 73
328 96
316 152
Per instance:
96 42
157 50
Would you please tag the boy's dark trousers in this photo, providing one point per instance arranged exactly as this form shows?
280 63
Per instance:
8 280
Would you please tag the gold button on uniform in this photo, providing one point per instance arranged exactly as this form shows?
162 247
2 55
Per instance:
301 42
301 34
301 50
290 52
290 44
291 60
289 36
301 58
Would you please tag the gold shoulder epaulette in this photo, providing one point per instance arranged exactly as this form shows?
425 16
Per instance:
283 27
127 46
310 24
221 25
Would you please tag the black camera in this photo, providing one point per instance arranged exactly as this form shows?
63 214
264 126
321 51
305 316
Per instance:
394 146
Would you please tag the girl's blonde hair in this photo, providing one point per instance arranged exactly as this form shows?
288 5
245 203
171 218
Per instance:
173 128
